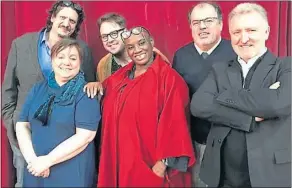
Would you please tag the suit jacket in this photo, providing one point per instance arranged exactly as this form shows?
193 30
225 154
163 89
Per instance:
222 100
194 69
23 71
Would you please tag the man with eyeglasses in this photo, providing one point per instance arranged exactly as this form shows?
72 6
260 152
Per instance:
194 61
29 62
145 135
110 26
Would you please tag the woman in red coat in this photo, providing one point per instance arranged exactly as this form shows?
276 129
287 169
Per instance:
145 134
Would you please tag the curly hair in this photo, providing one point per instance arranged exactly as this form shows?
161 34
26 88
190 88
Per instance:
57 7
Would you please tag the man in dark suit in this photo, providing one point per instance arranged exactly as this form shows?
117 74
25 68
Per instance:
194 61
248 100
29 62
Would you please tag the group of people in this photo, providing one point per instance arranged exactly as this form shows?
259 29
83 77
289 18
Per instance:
218 115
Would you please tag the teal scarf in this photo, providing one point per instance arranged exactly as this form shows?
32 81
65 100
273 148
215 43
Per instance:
64 95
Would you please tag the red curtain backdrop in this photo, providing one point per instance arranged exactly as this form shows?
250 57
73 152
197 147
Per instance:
167 21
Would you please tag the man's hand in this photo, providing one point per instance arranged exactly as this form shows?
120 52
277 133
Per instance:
275 85
257 119
159 169
92 88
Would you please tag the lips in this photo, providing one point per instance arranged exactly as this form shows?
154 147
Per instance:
114 45
140 57
245 46
204 34
65 69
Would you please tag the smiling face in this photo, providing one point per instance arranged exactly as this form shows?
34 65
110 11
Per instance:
205 33
66 64
64 23
249 33
140 48
114 43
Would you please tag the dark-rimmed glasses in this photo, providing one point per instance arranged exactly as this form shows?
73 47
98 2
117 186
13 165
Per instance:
114 34
207 21
71 4
135 31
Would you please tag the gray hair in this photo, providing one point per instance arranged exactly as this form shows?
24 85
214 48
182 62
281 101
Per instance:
245 8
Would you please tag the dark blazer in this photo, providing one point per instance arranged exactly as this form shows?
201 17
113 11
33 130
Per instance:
23 71
194 69
222 100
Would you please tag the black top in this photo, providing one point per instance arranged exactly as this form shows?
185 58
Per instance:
194 69
115 65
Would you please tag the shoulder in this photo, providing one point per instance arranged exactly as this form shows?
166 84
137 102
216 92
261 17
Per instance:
184 48
39 87
82 44
226 46
172 76
83 98
285 62
220 66
25 38
104 59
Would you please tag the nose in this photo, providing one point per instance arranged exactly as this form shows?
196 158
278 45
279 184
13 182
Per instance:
137 49
244 37
202 25
66 22
66 61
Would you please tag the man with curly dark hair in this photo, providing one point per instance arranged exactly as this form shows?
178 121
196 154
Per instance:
29 61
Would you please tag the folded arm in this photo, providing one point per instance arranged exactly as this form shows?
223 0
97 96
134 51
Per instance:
204 105
262 102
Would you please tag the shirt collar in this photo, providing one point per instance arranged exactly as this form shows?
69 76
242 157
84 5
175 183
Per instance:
210 50
251 61
44 39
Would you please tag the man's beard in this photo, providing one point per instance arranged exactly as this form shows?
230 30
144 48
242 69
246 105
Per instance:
63 36
67 29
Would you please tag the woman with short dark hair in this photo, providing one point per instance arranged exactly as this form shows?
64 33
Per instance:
58 123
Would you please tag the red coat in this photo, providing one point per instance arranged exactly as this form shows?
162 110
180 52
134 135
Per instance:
144 120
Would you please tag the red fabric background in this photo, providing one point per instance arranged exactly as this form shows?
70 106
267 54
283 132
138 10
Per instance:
167 21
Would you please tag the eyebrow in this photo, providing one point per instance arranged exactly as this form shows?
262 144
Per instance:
72 20
69 18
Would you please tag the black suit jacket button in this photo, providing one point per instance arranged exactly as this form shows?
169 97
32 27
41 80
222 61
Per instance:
219 141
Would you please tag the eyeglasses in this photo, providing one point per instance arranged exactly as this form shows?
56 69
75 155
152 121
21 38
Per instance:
135 31
76 6
207 21
114 34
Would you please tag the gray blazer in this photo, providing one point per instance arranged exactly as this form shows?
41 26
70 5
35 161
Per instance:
222 100
23 71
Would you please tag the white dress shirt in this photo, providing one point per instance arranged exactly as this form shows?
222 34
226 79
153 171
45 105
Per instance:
245 66
209 51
